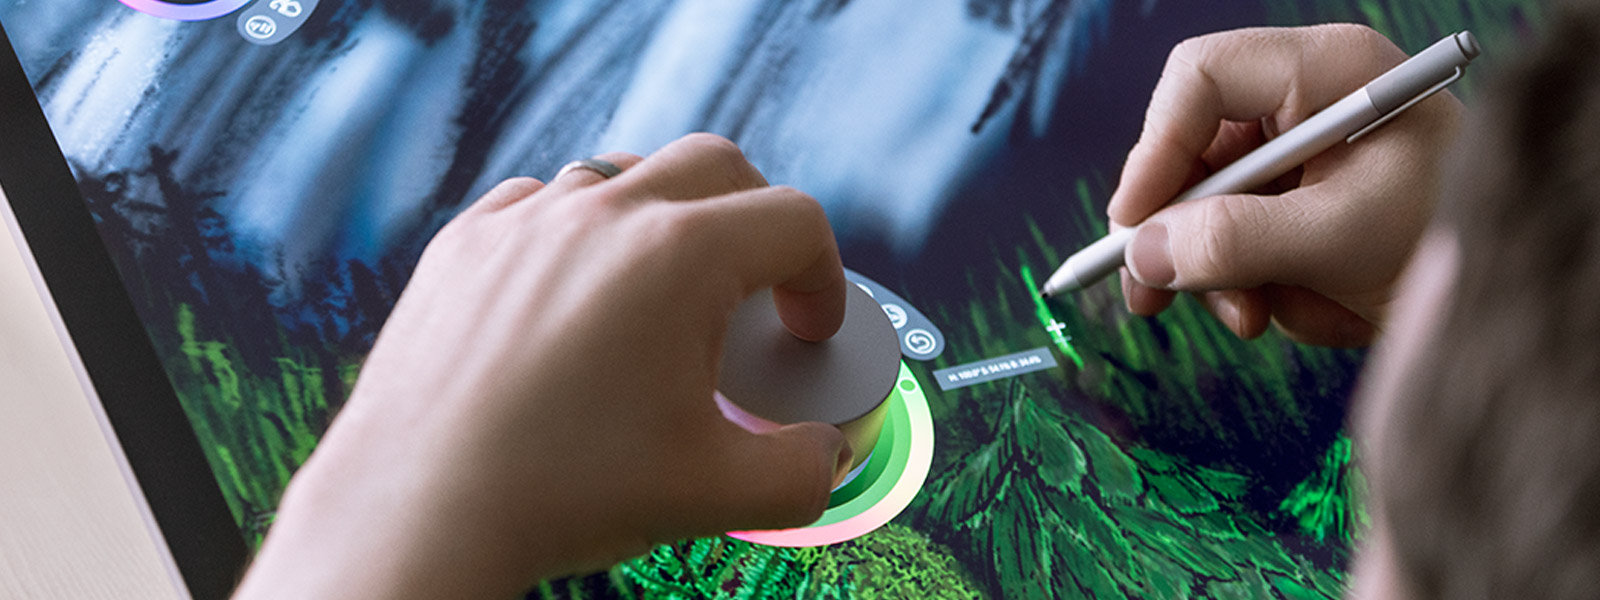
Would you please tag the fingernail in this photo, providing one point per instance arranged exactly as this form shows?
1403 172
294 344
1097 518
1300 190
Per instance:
842 467
1127 288
1150 256
1228 312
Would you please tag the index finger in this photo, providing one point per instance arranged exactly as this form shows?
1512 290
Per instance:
778 237
1281 76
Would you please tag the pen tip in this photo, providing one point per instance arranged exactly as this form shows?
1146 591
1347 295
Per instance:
1044 295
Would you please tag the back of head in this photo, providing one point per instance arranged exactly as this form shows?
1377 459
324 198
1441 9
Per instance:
1490 484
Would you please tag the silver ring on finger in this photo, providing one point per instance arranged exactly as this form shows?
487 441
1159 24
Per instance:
606 169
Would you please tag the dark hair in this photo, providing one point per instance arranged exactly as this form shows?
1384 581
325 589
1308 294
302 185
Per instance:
1491 484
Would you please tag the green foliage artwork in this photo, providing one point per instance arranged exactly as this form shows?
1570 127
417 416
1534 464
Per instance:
1327 504
895 561
1163 457
1063 511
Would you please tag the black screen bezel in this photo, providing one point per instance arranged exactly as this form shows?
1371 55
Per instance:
121 363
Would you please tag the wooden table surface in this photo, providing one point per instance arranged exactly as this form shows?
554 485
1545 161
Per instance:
70 526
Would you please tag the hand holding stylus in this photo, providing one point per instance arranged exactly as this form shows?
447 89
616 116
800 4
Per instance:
540 401
1317 251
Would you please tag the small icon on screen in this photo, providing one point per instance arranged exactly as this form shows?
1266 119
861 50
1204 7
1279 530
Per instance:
260 27
268 22
920 342
897 315
920 339
287 8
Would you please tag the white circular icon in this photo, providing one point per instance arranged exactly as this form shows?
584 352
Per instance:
897 315
920 342
260 27
287 8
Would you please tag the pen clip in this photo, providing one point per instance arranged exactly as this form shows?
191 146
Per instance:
1409 103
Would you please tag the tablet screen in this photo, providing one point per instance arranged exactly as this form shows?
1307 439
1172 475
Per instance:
265 174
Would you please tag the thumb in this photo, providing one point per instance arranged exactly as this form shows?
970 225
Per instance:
780 479
1236 241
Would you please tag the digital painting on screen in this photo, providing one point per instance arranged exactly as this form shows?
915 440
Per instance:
266 200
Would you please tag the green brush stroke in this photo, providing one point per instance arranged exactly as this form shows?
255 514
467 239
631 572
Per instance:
1041 311
1326 505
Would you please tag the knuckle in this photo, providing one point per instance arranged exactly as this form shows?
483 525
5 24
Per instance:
519 186
808 206
461 226
1188 53
672 232
681 225
457 236
1360 46
1353 34
581 213
506 193
811 215
797 194
714 144
627 157
722 161
1196 52
598 201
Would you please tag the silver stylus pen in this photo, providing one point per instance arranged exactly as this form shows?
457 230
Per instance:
1348 119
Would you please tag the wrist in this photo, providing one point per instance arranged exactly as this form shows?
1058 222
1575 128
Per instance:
364 525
